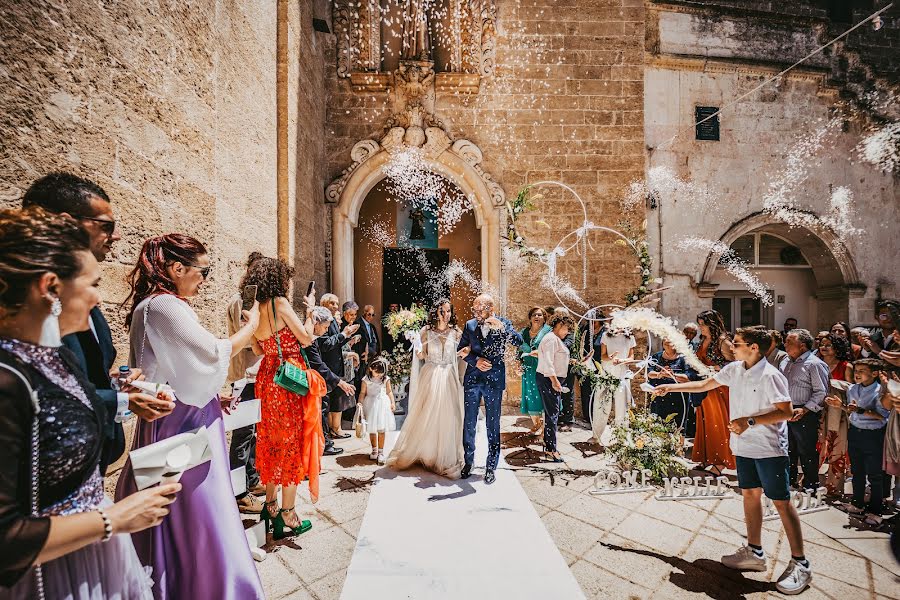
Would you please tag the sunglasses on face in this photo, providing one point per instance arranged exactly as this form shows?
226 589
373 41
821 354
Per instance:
204 271
107 226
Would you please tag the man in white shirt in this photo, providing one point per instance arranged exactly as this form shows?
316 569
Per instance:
759 406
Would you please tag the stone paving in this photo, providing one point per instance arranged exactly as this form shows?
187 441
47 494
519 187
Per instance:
617 546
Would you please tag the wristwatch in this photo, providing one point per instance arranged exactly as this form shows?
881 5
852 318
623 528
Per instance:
751 422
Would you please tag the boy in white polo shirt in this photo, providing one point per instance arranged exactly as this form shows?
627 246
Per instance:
759 406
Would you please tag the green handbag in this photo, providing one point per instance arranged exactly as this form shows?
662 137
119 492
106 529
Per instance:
289 376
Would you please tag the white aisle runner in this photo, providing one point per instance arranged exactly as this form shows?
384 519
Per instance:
427 537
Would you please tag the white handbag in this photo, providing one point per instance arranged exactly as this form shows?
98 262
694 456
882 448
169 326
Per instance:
359 421
167 459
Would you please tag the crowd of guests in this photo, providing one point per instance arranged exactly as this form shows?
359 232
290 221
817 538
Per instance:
843 424
65 403
310 363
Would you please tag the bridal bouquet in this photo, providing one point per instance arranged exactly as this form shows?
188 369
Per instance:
407 319
398 324
647 442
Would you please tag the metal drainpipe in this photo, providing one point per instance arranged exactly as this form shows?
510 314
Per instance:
281 130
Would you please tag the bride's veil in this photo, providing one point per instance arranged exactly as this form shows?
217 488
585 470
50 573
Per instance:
415 366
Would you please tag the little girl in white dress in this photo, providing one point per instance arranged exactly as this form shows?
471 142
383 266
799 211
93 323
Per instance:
377 400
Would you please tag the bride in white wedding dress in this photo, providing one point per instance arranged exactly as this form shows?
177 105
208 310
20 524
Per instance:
432 433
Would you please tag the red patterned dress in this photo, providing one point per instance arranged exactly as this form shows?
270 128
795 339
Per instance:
289 441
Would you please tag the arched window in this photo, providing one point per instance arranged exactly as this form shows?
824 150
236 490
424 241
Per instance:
768 250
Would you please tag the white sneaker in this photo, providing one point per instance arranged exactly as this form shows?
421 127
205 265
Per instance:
381 458
373 454
745 560
795 579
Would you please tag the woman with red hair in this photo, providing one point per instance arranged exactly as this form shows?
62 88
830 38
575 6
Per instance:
200 550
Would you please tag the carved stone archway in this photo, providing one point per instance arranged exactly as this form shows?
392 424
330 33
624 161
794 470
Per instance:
459 162
839 288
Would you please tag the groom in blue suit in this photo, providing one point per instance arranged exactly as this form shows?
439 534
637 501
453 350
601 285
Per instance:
486 337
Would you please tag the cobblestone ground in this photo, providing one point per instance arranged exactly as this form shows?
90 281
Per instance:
617 546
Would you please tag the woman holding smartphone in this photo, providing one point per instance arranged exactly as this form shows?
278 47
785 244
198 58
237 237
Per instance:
290 441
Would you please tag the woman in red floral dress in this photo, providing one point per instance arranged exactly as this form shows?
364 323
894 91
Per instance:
289 441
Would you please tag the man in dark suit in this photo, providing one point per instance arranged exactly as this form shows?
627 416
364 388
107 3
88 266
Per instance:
486 336
330 348
590 343
369 333
64 193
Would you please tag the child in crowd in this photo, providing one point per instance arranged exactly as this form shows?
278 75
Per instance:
377 399
759 408
865 438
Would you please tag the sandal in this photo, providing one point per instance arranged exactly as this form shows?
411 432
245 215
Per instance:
267 514
282 530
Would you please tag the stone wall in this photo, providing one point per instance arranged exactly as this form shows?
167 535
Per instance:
170 107
757 136
565 104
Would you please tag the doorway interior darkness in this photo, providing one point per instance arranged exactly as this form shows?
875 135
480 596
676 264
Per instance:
412 275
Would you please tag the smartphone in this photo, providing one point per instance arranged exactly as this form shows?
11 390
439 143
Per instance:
310 287
248 297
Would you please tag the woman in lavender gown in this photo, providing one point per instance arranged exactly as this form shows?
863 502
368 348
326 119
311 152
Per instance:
60 537
200 551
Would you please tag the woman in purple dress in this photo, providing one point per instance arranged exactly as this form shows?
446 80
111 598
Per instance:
200 551
60 537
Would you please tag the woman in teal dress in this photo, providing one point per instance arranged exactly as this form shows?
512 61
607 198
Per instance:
532 336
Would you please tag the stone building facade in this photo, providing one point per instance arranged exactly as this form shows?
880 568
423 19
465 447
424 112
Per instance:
539 90
173 109
711 54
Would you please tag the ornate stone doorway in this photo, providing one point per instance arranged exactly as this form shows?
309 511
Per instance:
458 162
392 264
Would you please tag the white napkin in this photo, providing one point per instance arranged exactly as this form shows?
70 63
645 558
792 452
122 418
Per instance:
167 459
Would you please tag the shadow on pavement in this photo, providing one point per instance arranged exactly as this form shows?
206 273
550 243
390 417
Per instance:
705 576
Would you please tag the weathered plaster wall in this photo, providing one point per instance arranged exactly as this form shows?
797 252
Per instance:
757 134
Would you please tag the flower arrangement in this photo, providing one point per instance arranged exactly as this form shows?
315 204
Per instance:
643 253
397 324
399 363
405 319
523 202
647 442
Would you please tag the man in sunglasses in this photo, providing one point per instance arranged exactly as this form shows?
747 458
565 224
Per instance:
64 193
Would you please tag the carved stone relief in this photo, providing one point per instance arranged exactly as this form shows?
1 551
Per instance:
357 25
433 141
